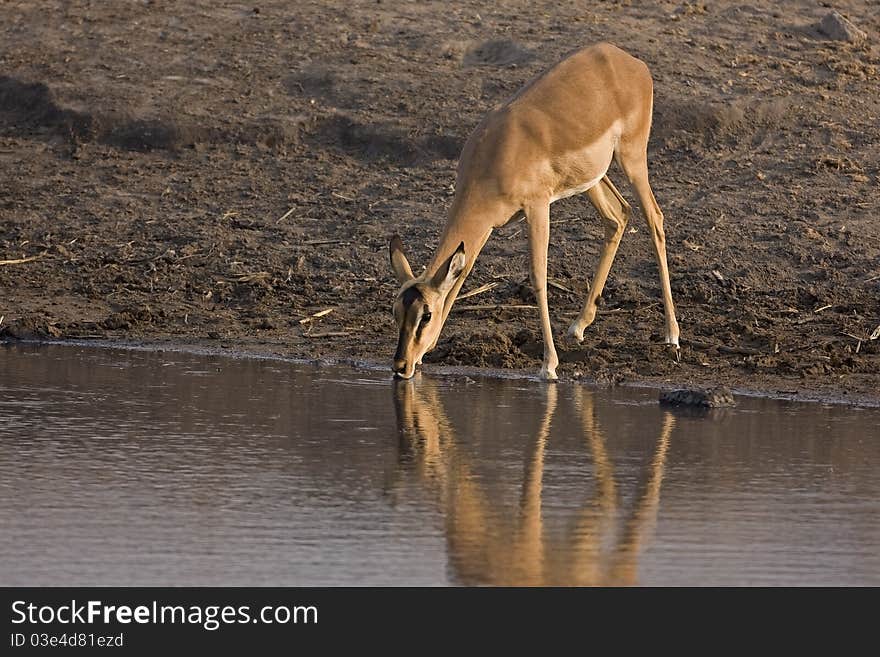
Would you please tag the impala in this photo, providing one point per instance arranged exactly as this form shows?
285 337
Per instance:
555 138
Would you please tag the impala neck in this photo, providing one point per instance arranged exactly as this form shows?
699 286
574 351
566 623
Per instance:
469 223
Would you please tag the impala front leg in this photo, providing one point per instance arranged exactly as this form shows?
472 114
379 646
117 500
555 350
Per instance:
538 217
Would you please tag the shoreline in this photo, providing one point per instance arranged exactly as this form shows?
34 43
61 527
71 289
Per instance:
822 395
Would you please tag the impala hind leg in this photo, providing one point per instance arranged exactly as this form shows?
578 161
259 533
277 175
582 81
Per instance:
637 171
538 217
615 212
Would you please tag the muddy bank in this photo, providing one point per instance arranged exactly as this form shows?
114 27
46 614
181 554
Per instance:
772 388
215 174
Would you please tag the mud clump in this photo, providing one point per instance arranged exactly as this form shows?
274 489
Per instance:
719 397
499 53
369 143
143 135
127 319
490 349
30 106
30 328
711 122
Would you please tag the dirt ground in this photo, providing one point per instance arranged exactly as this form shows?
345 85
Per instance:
213 173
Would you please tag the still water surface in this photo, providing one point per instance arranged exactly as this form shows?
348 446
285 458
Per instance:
123 467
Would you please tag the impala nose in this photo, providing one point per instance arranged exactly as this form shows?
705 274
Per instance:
399 366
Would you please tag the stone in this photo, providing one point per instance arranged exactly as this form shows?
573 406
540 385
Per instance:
718 397
838 28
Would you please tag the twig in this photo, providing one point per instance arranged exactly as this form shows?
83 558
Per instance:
250 278
285 215
328 334
479 290
558 286
19 261
818 310
317 242
615 311
500 306
161 255
314 316
801 347
344 198
875 334
873 278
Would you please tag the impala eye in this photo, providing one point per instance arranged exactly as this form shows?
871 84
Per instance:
426 317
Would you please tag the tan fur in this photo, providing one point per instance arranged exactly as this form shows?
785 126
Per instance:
555 138
492 544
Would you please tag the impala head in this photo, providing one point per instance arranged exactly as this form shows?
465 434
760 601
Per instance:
418 308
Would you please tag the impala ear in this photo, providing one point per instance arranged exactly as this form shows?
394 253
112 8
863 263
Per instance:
399 263
450 270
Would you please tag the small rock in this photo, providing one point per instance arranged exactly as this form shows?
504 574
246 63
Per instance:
838 28
698 397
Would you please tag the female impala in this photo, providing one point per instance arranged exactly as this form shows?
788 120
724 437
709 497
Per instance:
555 138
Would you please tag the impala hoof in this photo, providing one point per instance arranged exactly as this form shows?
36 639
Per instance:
549 373
576 333
675 351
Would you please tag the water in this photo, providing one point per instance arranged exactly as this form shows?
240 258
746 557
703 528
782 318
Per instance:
163 468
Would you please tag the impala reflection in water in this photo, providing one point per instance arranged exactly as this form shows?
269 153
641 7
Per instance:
151 468
491 545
